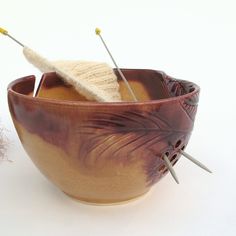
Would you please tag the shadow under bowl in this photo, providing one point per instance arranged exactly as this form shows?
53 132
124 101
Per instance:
104 153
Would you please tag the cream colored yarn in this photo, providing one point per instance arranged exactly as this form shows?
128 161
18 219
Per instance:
95 80
3 145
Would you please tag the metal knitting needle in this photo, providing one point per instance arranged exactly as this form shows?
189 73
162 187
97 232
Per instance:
170 168
98 32
5 32
198 163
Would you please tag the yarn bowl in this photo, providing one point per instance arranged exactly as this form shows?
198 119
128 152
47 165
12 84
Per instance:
104 153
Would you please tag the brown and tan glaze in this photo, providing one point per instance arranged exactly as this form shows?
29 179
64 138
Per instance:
104 152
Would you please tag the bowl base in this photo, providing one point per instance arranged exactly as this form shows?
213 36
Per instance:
107 203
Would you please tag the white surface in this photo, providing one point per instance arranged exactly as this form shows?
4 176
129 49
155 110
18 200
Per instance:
192 40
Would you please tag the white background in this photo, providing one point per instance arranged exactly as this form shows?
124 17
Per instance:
191 40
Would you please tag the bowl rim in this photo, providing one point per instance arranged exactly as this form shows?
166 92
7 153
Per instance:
99 104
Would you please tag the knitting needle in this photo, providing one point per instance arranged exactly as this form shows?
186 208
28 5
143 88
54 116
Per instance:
170 168
198 163
98 32
5 32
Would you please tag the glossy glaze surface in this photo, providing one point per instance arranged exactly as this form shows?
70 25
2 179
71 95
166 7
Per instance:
104 152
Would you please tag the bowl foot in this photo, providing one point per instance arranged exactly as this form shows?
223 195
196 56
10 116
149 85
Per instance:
110 203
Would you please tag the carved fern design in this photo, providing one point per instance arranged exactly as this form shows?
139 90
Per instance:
190 105
181 87
126 136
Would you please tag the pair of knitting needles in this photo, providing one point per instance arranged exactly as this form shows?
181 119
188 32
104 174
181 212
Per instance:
166 159
189 157
98 32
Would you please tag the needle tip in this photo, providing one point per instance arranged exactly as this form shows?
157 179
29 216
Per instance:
3 31
97 31
169 166
198 163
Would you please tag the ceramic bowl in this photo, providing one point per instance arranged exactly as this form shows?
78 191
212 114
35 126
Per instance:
104 153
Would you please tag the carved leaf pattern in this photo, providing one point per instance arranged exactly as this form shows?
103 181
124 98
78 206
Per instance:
190 105
180 87
126 136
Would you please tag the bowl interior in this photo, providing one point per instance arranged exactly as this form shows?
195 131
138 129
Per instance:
146 84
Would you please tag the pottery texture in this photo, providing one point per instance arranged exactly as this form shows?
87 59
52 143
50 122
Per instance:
104 152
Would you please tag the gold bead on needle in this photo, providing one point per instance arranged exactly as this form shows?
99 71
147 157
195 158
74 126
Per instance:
170 168
98 32
198 163
5 32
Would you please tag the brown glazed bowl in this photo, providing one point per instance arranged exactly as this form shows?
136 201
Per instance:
104 153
